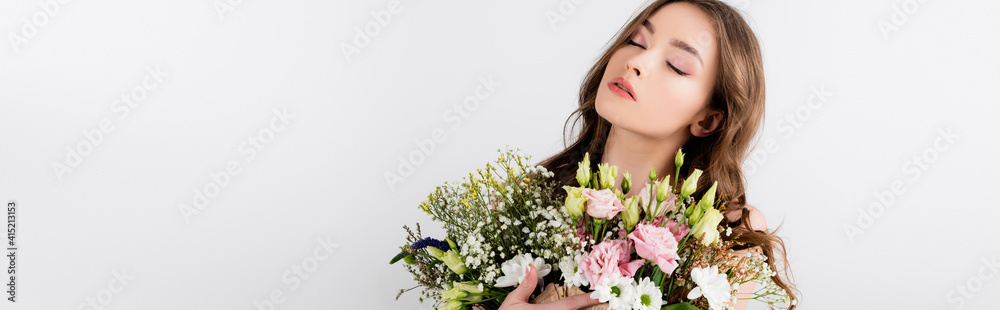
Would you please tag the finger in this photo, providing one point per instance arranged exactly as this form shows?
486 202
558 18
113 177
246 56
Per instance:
574 302
523 290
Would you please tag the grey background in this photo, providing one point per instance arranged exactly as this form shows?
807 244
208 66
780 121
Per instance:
116 215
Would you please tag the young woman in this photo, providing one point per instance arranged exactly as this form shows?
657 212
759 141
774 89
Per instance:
682 74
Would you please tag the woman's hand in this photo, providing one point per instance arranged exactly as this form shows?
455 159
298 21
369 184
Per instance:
518 299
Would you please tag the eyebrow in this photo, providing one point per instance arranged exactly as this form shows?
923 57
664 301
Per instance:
676 43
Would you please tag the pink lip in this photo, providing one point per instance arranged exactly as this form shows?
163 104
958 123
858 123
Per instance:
621 92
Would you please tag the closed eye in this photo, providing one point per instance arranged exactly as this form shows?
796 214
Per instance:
682 73
630 42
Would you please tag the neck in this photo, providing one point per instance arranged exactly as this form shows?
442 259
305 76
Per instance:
637 154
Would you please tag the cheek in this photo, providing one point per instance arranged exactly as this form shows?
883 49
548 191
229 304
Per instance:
671 106
616 65
675 99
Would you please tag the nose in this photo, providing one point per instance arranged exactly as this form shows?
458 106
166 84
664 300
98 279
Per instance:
633 64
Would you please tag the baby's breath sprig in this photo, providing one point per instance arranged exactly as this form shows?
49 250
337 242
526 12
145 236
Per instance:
502 210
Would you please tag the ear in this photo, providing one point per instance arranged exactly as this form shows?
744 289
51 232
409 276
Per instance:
709 124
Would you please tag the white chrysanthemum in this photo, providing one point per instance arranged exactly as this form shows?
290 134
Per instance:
712 285
602 291
515 269
619 292
648 296
571 271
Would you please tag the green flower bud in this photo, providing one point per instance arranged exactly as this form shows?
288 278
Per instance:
576 206
608 174
454 294
613 176
452 305
709 225
437 253
631 214
576 203
652 174
693 214
450 258
455 262
468 286
690 184
662 189
583 173
708 200
679 159
471 287
626 182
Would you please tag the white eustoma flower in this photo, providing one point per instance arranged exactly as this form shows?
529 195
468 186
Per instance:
619 292
647 296
712 285
571 271
516 268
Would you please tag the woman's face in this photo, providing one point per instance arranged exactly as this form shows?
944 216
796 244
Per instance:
669 67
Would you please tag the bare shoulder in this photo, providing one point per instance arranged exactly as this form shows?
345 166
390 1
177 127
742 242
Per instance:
757 219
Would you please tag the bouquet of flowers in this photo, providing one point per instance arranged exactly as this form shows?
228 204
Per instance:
660 249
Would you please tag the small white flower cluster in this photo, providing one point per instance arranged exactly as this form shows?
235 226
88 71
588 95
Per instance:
506 222
475 249
498 213
759 260
771 294
516 152
541 170
490 274
480 254
767 291
548 230
549 238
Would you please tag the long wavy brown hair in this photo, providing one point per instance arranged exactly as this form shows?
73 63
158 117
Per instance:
739 93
